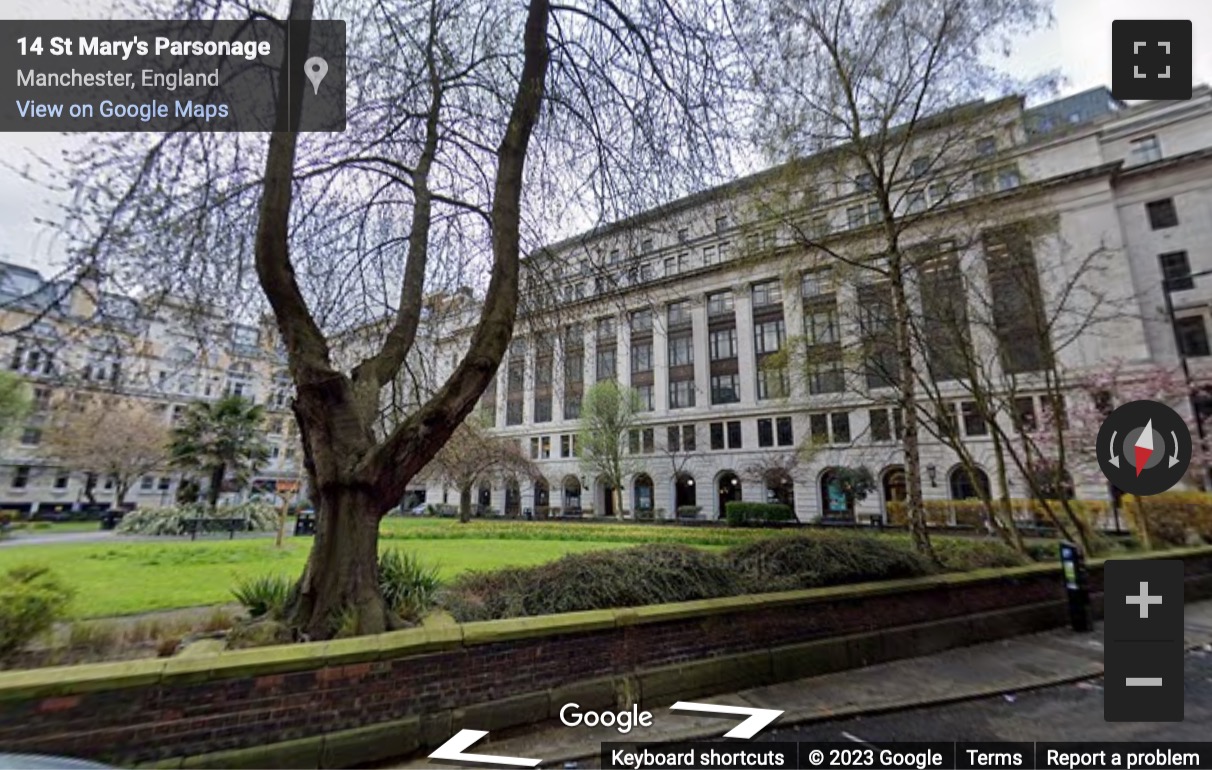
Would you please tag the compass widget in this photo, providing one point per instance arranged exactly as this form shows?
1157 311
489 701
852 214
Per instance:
1144 447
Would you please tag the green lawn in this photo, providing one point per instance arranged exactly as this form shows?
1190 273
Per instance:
122 578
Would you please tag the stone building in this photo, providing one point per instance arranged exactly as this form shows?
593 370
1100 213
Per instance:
694 303
69 335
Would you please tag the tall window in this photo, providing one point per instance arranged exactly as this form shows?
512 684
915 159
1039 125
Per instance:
641 357
1146 149
1192 335
1176 271
722 343
769 336
719 303
1018 307
1162 214
605 364
681 350
641 320
725 389
644 392
820 325
771 382
767 293
681 394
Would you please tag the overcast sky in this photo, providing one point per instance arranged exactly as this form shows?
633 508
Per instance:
1078 44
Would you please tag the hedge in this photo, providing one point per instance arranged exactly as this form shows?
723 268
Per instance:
971 513
1172 518
740 514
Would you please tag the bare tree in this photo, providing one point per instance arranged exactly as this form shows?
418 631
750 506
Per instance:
473 126
473 455
872 98
608 417
108 437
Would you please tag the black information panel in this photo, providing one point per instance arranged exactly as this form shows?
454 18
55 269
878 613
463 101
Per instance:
760 755
171 75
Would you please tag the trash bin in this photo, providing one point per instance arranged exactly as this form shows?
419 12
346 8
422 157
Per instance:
110 518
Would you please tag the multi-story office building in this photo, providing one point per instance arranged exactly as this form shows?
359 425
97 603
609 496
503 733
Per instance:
71 336
695 304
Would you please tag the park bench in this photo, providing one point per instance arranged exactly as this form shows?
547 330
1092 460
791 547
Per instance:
204 525
305 523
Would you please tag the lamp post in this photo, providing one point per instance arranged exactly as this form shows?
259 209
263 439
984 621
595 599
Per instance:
1167 288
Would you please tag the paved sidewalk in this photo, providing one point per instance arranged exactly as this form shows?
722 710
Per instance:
1010 665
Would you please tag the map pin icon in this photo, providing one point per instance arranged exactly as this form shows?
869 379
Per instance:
315 68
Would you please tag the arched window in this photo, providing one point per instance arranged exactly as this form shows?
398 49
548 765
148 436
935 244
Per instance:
968 487
728 489
572 494
643 489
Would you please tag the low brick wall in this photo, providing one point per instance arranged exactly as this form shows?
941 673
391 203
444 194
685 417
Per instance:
351 701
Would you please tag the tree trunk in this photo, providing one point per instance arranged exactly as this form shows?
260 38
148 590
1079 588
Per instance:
216 485
465 503
1009 528
120 490
90 485
338 593
908 402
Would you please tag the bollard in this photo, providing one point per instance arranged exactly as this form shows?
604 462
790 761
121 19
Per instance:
1077 587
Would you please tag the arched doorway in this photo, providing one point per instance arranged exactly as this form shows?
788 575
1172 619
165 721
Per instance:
484 501
780 487
728 489
572 495
965 486
684 495
606 495
513 499
833 499
896 488
542 498
642 491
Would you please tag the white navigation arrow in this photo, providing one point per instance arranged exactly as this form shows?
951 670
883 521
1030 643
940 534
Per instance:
1114 457
456 749
756 719
1174 457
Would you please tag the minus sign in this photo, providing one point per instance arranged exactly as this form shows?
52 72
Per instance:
1143 681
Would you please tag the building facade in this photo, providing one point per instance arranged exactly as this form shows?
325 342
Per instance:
698 305
70 336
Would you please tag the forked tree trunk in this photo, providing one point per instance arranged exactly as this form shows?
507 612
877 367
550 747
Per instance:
338 593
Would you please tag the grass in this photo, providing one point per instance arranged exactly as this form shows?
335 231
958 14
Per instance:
123 577
41 528
126 578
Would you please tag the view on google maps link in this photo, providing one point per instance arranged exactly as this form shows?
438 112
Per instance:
817 384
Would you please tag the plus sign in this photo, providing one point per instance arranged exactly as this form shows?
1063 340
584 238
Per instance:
1144 600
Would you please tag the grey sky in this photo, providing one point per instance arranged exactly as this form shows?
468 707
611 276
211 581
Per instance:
1078 44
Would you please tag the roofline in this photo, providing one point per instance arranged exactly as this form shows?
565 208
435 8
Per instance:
750 180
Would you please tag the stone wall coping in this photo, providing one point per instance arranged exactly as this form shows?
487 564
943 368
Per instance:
93 677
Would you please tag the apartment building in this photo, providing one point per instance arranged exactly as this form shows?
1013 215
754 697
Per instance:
695 306
64 334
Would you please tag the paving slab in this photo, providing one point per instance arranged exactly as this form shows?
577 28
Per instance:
1004 666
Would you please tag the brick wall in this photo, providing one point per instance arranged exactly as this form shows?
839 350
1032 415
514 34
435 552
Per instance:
190 711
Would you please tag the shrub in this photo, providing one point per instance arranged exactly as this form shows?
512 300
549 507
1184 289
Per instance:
628 577
740 514
409 586
263 595
689 511
1172 518
32 598
167 522
824 559
961 554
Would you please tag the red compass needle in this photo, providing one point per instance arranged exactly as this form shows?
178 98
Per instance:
1144 447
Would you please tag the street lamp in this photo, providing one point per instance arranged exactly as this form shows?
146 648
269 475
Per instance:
1182 358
